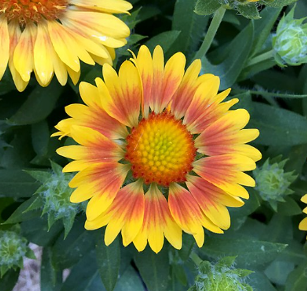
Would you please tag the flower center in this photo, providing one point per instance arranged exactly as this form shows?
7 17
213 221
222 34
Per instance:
160 150
32 10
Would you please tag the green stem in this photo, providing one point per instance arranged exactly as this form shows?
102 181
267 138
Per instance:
263 57
214 25
195 258
271 94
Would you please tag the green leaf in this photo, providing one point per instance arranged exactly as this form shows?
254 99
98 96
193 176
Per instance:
259 282
16 183
289 207
249 11
278 126
297 280
129 281
250 252
38 105
84 276
192 27
278 3
49 276
36 231
21 213
68 252
40 137
8 281
263 28
164 39
236 54
278 271
154 268
207 7
108 260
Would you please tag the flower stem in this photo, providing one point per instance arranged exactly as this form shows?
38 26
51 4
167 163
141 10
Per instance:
263 57
195 258
214 25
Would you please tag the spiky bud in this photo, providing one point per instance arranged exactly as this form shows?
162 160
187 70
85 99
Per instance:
290 41
13 247
53 196
220 276
272 182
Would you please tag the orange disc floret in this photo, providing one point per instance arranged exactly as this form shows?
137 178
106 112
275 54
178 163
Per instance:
160 149
32 10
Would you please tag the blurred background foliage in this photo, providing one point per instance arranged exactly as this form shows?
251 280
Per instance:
264 236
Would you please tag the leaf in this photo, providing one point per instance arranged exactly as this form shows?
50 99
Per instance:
207 7
278 3
40 137
250 253
8 281
129 281
108 260
278 271
66 253
289 207
21 213
36 231
16 183
278 126
192 27
249 11
38 105
154 268
231 66
263 28
164 39
49 276
297 280
84 276
259 282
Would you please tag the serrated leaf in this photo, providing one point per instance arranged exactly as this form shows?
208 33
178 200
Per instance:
154 268
38 105
108 260
278 126
249 11
250 252
207 7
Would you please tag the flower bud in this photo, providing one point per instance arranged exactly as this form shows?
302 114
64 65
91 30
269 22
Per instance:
290 41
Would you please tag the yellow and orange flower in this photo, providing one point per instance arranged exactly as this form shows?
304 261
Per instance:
159 151
52 36
303 223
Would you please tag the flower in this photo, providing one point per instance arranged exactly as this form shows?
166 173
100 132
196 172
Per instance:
49 37
165 132
290 41
303 223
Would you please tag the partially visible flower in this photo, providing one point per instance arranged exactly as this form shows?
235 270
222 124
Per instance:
50 37
222 276
53 196
272 182
155 128
303 223
13 247
290 41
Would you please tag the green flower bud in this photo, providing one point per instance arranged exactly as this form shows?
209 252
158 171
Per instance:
220 276
272 182
54 196
290 41
13 248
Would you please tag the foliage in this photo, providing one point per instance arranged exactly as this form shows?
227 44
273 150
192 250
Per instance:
34 193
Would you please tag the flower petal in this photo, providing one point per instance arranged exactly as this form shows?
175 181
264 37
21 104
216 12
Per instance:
4 45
